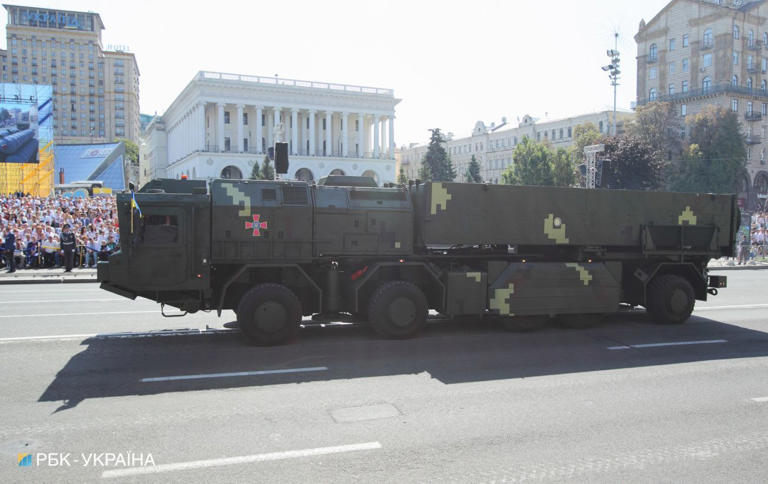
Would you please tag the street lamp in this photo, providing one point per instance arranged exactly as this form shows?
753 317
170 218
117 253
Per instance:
613 73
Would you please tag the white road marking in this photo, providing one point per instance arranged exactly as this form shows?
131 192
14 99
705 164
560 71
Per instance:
237 373
671 343
50 315
245 459
733 306
147 334
62 301
760 399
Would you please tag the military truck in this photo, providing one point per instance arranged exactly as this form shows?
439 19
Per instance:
275 251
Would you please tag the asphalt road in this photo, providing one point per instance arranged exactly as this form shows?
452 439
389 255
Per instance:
465 402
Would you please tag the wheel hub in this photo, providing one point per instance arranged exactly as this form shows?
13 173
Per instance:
678 302
270 316
402 312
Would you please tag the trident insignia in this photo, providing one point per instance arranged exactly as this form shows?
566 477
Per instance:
256 225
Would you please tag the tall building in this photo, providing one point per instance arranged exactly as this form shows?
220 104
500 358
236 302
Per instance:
493 146
697 53
220 125
95 91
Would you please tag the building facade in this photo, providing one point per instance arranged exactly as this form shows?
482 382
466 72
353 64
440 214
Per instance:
698 53
95 91
493 146
222 124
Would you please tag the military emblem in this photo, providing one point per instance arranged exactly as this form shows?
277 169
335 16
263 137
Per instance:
256 225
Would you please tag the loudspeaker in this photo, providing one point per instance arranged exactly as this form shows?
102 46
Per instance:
281 158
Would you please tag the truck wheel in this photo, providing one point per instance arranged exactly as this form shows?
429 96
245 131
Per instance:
670 299
398 309
269 314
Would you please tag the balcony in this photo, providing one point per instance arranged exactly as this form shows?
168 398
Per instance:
706 44
753 69
713 90
754 139
756 45
652 60
753 116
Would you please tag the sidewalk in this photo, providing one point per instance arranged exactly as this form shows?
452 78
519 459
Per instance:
730 265
47 276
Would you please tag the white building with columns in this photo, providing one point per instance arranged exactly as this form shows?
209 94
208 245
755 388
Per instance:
221 124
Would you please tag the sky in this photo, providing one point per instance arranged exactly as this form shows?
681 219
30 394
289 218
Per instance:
451 63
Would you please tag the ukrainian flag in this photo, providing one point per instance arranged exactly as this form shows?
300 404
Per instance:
135 204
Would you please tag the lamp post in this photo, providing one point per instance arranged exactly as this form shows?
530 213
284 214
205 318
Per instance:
613 74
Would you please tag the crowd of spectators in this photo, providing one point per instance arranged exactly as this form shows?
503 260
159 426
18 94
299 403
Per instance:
31 230
755 247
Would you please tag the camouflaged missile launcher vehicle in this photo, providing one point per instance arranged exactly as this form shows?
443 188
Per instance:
273 251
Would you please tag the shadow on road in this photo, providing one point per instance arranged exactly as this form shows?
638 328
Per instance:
451 352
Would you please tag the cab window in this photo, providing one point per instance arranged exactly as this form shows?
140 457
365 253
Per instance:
160 229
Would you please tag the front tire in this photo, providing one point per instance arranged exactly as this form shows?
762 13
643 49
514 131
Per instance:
670 299
269 314
398 309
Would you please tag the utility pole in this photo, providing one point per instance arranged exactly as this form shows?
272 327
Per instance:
613 74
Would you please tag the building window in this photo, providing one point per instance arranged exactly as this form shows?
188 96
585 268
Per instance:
653 53
600 124
652 73
227 143
671 67
683 110
734 105
324 125
245 119
706 61
707 41
245 145
751 38
685 65
685 40
651 97
226 117
750 62
749 83
685 86
749 108
671 44
765 110
735 58
763 85
735 31
671 89
706 83
735 80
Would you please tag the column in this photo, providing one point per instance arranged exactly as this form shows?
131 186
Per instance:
344 134
201 126
275 124
312 141
392 136
294 132
239 141
382 148
259 132
376 136
328 137
220 127
360 128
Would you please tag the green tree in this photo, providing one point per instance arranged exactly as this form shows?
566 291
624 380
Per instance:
401 178
473 171
255 173
716 158
131 150
267 171
658 125
532 166
563 170
630 163
585 134
436 164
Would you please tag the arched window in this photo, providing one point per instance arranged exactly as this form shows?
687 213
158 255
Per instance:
749 83
372 174
232 172
653 52
337 171
707 41
706 83
304 174
651 95
735 31
735 80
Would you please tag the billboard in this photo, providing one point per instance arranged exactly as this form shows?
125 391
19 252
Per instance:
26 138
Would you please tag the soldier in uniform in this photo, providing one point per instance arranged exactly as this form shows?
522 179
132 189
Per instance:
68 247
10 247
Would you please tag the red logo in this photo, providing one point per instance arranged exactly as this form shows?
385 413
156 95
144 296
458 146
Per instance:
256 225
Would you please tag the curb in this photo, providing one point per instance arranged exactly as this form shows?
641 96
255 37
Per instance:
45 280
738 268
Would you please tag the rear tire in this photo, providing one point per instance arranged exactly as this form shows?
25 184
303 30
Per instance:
269 314
398 309
670 299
